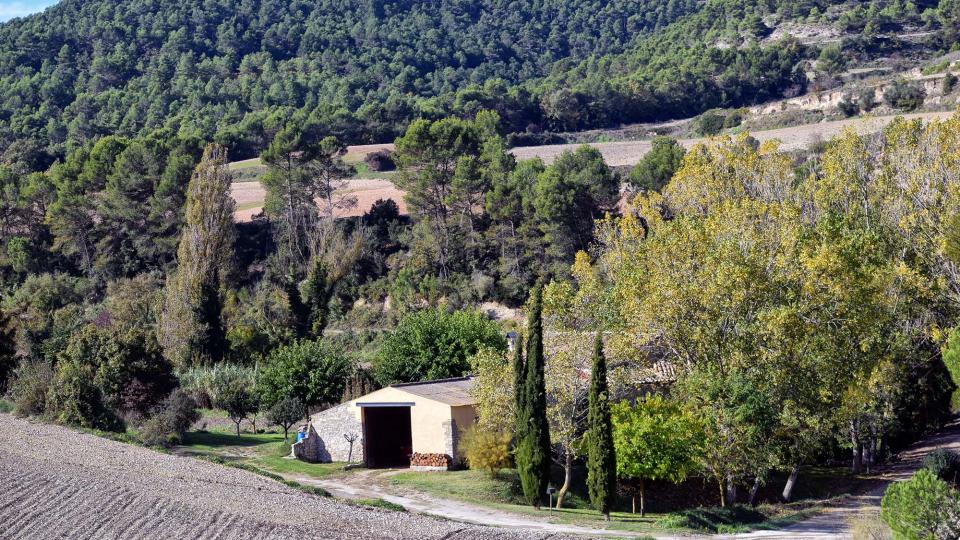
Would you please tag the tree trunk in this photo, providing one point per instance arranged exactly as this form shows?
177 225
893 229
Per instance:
643 498
633 504
857 450
791 482
237 424
723 492
754 490
731 490
567 473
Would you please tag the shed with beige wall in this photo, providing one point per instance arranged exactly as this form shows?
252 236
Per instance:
413 424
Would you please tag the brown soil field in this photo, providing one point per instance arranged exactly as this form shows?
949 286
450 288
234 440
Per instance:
59 483
249 195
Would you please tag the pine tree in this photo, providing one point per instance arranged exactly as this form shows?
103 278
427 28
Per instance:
601 461
191 328
533 444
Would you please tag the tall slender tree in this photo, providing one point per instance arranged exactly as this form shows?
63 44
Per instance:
533 431
191 329
519 378
601 461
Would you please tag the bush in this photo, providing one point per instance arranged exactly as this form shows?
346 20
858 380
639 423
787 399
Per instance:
913 509
486 450
657 167
29 386
847 106
379 161
949 82
74 399
944 464
903 95
710 123
170 421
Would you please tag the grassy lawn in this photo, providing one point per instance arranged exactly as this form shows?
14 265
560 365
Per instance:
503 492
267 451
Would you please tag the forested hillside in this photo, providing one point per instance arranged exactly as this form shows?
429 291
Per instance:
362 70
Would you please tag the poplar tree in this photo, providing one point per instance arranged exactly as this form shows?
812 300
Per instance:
601 461
191 328
533 431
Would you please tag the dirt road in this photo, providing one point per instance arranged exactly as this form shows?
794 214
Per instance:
832 524
793 138
59 483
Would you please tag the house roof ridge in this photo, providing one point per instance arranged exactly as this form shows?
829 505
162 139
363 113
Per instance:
435 381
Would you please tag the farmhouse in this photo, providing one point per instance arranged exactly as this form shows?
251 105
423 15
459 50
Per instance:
414 425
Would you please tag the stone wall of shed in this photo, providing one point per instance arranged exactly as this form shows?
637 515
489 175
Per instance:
330 444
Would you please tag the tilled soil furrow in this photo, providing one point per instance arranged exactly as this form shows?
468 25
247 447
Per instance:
58 483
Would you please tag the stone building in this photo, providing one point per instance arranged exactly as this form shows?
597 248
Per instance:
415 425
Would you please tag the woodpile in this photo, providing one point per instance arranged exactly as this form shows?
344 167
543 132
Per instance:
430 460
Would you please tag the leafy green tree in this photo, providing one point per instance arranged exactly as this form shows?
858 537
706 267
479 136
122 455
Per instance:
601 460
533 431
232 390
313 372
654 440
658 165
192 329
435 344
287 412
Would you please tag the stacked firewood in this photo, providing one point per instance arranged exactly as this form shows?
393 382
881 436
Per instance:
430 460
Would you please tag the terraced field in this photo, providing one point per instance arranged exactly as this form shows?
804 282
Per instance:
249 195
59 483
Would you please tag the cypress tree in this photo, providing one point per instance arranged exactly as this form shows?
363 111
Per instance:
601 461
519 378
533 445
317 298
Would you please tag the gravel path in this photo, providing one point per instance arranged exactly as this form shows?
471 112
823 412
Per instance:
59 483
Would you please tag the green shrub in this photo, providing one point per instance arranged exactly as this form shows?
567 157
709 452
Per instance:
169 422
29 386
381 503
848 106
944 464
949 82
710 123
903 95
914 508
713 520
74 399
5 406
